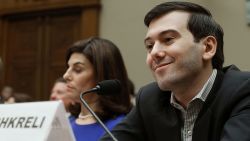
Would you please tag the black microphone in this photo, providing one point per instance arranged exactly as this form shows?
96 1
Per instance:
106 87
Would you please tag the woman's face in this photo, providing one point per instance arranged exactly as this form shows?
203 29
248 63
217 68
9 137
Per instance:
80 75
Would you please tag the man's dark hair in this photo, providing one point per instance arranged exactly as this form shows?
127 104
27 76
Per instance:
200 23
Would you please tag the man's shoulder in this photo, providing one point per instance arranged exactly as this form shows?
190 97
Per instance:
153 86
233 93
150 89
234 75
234 81
151 93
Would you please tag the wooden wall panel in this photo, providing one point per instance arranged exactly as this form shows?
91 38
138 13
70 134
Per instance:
34 40
23 55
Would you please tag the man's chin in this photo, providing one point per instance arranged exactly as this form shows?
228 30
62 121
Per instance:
163 86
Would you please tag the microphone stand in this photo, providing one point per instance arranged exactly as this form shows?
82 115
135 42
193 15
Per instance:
95 116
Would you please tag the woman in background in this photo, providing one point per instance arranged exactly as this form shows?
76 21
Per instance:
89 62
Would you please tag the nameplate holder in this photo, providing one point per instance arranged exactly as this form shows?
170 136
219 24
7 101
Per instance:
35 121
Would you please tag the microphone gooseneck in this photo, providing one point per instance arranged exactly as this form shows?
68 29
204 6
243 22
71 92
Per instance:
106 87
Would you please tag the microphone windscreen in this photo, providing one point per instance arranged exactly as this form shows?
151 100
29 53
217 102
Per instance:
109 87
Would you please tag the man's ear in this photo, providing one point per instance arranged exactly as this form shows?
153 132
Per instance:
210 46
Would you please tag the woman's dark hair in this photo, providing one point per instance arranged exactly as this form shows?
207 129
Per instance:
108 64
201 24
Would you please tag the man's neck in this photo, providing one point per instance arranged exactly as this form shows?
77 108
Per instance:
186 92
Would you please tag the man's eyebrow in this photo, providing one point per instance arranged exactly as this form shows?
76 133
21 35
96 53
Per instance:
146 39
168 31
162 33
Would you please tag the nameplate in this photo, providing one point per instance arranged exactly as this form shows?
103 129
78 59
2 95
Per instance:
35 121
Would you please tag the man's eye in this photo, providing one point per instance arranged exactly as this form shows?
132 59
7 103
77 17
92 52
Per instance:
149 47
169 39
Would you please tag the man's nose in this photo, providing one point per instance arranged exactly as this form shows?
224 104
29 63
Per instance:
158 51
